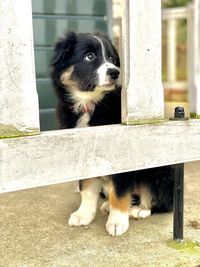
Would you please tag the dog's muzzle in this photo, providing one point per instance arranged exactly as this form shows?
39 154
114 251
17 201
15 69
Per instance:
113 73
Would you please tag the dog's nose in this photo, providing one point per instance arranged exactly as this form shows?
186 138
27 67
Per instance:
113 73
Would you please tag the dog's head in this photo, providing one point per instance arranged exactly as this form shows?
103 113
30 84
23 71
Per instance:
86 62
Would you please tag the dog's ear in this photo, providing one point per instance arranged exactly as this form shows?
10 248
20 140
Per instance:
64 47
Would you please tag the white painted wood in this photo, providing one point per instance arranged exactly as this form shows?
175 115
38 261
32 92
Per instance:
142 88
190 53
175 13
19 112
176 85
194 60
65 155
171 50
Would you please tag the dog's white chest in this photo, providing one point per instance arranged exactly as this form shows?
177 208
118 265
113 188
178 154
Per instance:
83 120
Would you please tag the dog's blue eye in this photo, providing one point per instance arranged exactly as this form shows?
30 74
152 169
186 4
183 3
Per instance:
90 57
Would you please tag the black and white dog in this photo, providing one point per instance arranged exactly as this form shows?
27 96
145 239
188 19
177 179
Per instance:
85 70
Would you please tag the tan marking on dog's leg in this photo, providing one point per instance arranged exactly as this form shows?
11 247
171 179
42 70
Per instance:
88 207
87 183
118 219
120 203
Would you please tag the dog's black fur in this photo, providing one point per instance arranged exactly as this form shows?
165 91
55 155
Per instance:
160 181
76 50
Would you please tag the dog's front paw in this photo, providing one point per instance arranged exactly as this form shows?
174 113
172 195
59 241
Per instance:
117 224
79 218
138 212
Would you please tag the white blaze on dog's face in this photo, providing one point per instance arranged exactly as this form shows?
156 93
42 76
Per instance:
104 71
108 73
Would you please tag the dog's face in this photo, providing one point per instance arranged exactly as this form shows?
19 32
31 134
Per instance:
86 62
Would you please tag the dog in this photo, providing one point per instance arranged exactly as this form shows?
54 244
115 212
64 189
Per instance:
85 72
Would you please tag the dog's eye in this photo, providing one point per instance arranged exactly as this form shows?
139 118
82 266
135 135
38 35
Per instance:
111 59
90 57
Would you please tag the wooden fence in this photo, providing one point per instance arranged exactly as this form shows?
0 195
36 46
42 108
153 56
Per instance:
144 139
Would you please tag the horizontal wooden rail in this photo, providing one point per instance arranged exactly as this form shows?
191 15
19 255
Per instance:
65 155
175 13
176 85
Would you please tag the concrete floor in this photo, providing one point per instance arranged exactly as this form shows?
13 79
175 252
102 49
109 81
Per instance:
34 231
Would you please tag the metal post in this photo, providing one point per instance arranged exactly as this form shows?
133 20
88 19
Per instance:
179 114
178 202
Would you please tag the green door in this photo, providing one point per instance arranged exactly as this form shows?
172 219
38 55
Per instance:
51 19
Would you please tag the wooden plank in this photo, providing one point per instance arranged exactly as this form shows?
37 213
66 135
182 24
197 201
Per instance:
18 100
66 155
143 99
175 13
176 85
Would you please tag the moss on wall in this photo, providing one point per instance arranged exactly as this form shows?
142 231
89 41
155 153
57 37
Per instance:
144 121
9 131
185 246
194 116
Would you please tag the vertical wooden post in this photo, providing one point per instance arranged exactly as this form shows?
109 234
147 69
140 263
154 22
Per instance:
171 50
142 96
19 111
194 58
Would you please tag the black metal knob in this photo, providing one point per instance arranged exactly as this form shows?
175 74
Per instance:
179 112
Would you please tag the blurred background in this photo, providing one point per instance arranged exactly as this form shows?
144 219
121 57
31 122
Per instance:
175 26
52 18
174 29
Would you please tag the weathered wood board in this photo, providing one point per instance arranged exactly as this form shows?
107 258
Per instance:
66 155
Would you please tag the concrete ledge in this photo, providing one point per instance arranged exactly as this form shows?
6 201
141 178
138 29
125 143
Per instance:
66 155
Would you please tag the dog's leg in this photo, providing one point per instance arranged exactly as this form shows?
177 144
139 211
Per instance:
89 189
118 219
144 209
